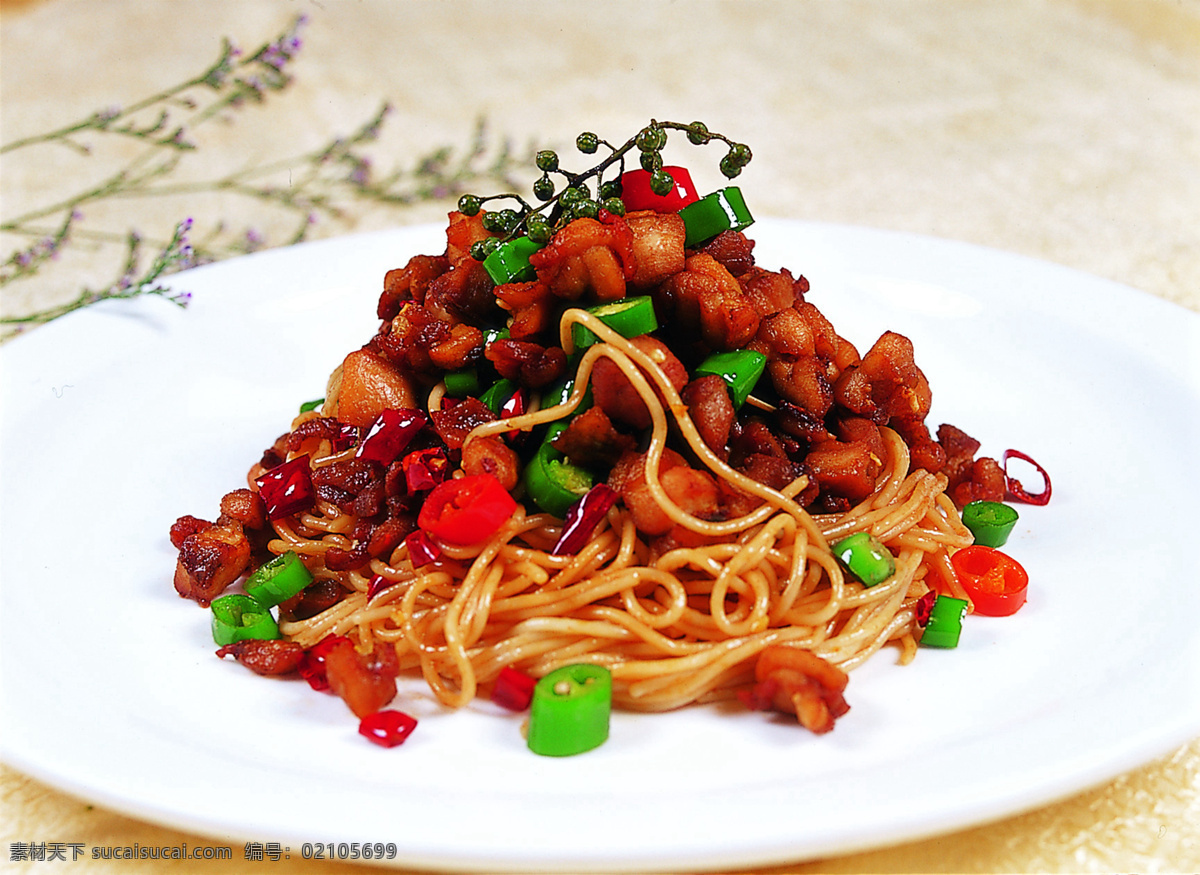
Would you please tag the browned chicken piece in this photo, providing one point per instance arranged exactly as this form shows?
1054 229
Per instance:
409 283
491 455
733 249
532 306
804 356
365 683
210 558
799 682
590 440
454 423
617 397
588 256
369 385
462 232
695 492
657 246
463 294
846 469
770 292
530 364
886 383
265 657
318 596
707 298
711 409
970 479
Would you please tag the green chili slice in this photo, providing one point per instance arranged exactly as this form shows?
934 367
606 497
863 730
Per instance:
278 580
945 622
551 481
497 394
462 383
991 522
238 617
866 558
570 710
629 317
739 368
723 210
510 262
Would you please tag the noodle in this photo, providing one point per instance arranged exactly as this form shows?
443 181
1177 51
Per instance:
677 628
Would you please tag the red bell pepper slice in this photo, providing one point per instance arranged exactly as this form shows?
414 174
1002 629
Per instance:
636 193
995 582
467 510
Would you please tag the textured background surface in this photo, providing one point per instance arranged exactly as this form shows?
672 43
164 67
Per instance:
1068 131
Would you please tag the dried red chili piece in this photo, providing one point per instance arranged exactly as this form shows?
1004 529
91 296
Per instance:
1016 491
387 728
287 489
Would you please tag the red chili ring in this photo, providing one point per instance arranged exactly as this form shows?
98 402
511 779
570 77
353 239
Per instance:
1015 490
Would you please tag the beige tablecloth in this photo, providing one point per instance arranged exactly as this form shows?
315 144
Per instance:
1068 131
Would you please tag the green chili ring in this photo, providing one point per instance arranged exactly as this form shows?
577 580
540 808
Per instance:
278 580
239 617
739 368
629 317
944 626
990 522
570 710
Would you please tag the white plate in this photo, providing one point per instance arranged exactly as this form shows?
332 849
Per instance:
123 417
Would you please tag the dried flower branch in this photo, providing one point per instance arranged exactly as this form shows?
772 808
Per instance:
329 183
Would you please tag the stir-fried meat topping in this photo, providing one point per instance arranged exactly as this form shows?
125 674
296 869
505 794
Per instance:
733 249
711 410
210 559
971 479
265 657
369 384
529 364
615 394
588 256
409 283
454 422
694 492
886 383
533 308
365 683
706 297
491 455
657 246
799 682
591 440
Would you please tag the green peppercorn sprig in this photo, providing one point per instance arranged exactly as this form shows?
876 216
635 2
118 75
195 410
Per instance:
576 197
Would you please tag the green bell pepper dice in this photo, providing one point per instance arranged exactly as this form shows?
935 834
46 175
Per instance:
739 368
570 710
510 262
629 317
278 580
238 617
945 622
723 210
990 522
866 558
